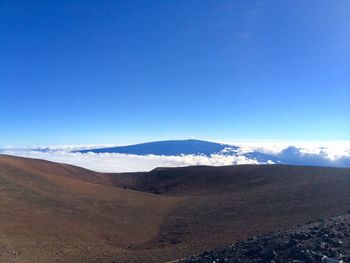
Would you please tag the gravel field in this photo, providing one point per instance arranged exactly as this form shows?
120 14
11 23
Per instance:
326 240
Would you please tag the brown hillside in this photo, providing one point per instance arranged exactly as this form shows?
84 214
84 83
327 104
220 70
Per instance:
52 212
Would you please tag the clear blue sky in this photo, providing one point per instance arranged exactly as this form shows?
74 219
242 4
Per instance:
129 71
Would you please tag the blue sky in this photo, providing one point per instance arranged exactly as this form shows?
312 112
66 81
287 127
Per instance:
77 72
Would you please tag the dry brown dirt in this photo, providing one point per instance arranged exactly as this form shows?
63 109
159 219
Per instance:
52 212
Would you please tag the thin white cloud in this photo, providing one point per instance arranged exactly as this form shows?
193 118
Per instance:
114 162
323 155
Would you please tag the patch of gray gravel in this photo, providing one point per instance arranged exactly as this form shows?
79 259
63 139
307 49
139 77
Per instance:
325 240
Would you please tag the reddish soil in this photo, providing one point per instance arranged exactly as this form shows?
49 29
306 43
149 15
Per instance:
52 212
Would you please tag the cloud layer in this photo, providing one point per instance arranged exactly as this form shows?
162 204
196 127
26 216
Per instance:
337 155
114 162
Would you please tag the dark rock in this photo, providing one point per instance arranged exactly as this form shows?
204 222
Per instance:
326 239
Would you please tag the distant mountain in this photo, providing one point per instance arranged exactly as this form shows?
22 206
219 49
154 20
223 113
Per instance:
290 155
167 148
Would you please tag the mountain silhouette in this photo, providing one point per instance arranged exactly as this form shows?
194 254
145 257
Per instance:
167 148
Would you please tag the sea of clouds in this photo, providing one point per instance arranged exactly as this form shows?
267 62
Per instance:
328 154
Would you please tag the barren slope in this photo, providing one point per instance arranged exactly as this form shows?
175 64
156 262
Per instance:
68 214
325 240
224 204
55 213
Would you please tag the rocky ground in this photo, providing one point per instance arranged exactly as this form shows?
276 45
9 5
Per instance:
51 212
326 240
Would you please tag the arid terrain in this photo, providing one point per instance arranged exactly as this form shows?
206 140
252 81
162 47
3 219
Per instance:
326 240
52 212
